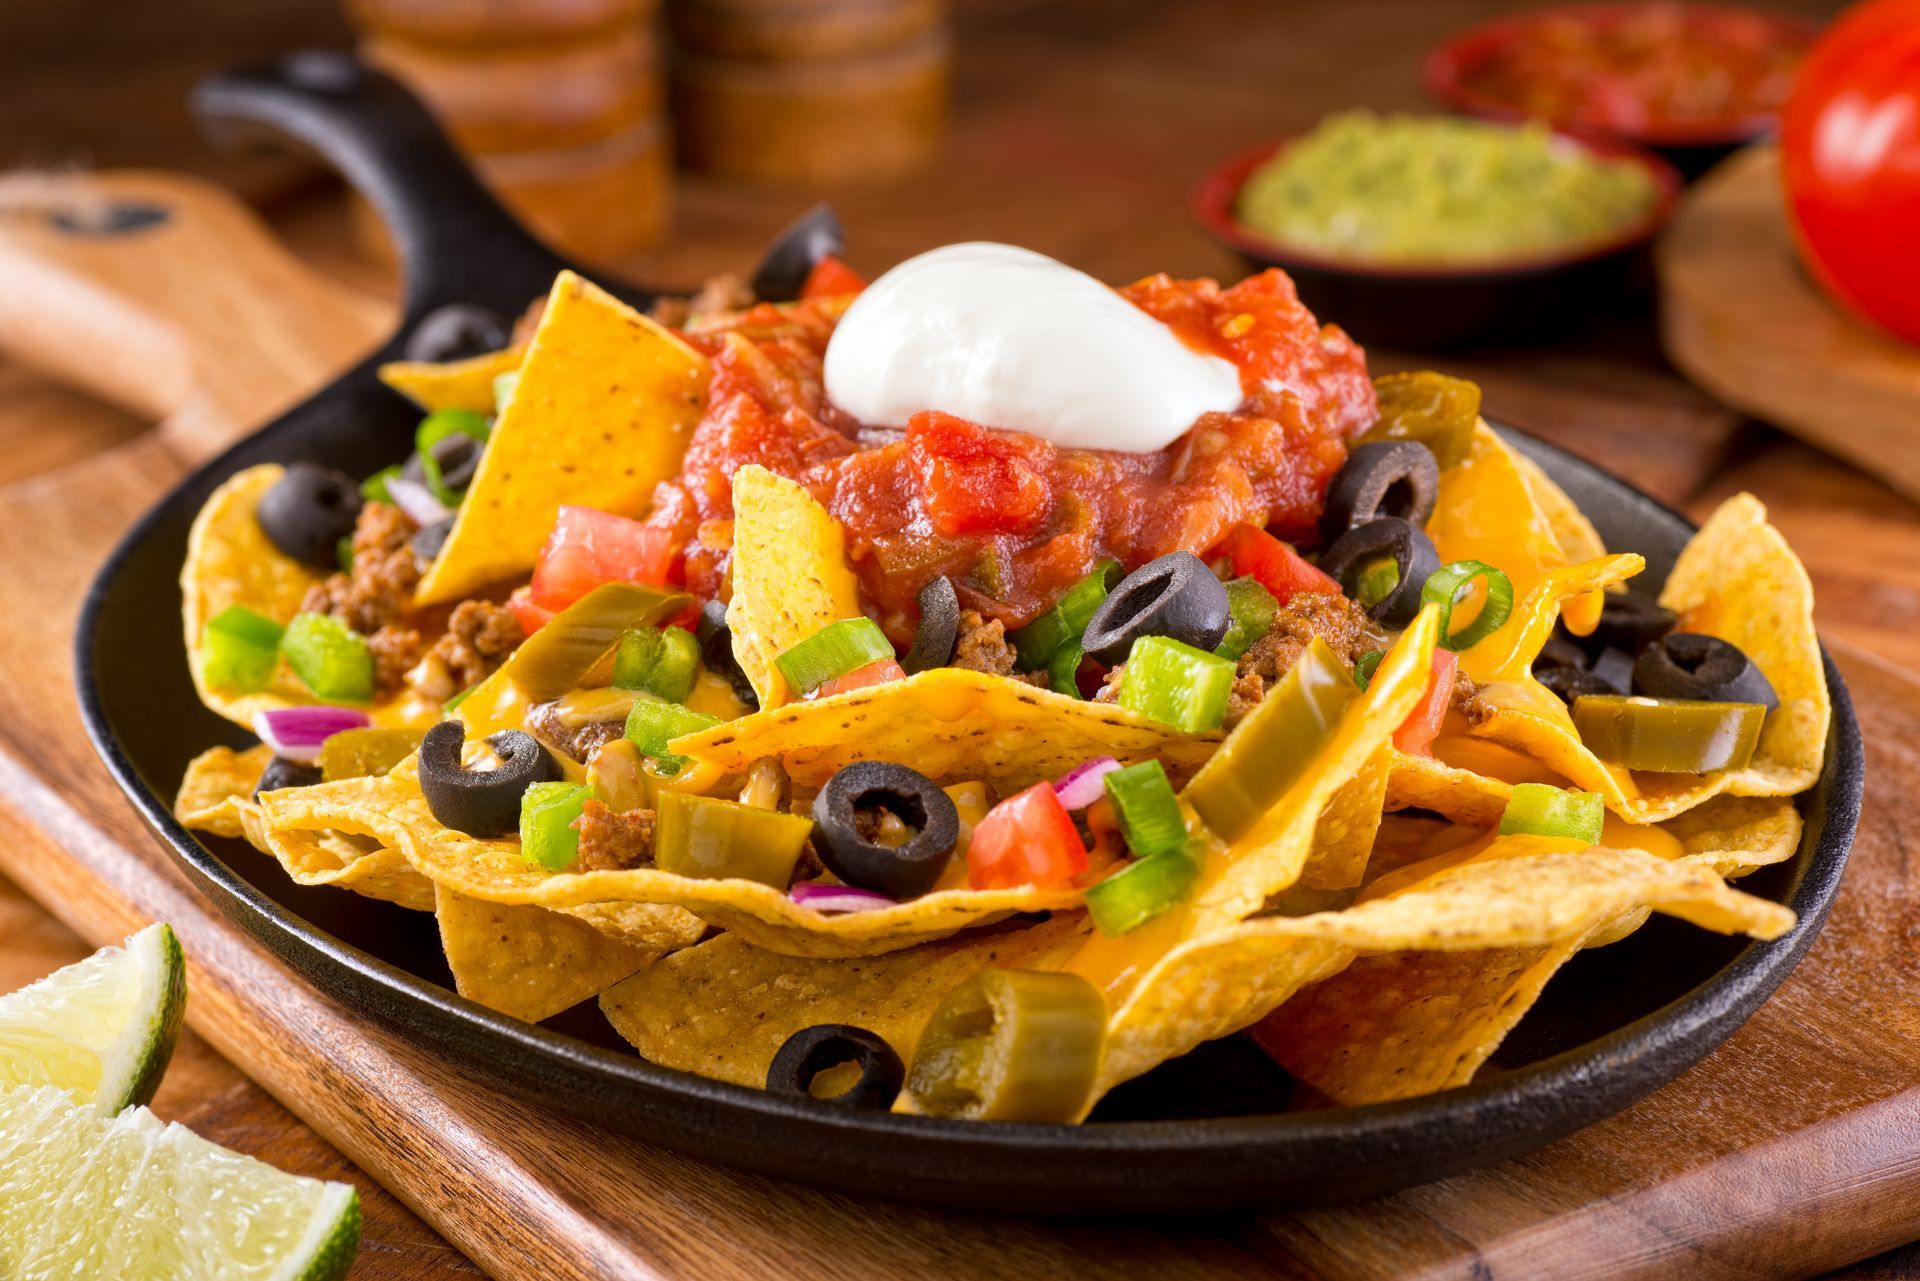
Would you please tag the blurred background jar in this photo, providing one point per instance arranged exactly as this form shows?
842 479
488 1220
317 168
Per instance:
808 92
559 104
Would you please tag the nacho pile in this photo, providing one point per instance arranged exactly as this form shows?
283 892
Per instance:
988 768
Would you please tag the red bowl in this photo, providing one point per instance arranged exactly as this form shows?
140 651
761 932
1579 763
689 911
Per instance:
1446 304
1691 145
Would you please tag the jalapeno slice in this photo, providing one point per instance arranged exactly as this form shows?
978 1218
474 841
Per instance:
360 753
1669 735
1438 411
1267 751
1011 1045
709 838
557 657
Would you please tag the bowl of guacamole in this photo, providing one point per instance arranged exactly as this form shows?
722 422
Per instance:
1434 230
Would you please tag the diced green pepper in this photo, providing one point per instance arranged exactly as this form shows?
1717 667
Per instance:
374 487
1269 750
1172 682
240 649
1445 586
330 657
1140 891
712 839
1063 669
547 812
1148 811
1251 612
660 661
557 657
651 726
1669 735
1040 640
834 650
1540 809
361 753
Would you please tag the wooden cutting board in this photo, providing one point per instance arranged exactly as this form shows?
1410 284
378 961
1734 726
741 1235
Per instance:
1742 318
1789 1151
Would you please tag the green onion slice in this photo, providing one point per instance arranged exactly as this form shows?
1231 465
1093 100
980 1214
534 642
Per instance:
1063 669
1251 609
1369 664
1172 682
374 487
1149 813
1443 588
834 650
1041 639
1540 809
1140 891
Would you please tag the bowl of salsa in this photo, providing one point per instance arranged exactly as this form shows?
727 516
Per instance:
1691 81
1440 231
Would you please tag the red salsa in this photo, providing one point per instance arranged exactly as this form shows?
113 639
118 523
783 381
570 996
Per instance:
1012 519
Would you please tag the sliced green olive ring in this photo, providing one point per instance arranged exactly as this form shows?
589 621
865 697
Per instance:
1012 1045
811 1051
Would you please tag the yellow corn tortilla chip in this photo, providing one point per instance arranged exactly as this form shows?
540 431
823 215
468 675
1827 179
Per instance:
1344 838
655 926
949 723
1736 579
1421 782
1734 835
723 1009
231 561
1216 984
392 812
217 797
601 414
527 961
1577 537
790 576
453 384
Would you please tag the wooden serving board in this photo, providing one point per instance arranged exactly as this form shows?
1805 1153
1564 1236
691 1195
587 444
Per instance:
1741 317
1789 1151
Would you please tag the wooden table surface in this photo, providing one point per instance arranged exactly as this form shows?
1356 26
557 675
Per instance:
1080 127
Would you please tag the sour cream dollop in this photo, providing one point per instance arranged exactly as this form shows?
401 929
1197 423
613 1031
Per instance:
1009 338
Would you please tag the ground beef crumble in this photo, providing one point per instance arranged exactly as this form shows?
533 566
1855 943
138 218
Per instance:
982 646
1337 620
479 635
378 591
613 842
578 741
719 295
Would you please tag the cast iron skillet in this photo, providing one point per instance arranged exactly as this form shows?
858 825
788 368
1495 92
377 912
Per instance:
1203 1134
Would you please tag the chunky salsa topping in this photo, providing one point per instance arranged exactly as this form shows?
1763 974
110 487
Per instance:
1012 519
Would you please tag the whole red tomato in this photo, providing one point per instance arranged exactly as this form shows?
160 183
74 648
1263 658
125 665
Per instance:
1850 149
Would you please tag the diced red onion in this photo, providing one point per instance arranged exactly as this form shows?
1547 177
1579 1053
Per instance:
838 898
296 733
1083 786
417 501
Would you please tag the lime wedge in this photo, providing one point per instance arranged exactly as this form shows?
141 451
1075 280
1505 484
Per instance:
102 1028
136 1199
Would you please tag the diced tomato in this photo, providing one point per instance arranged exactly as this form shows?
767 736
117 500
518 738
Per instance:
1027 839
875 673
532 617
1416 734
1274 565
829 277
978 481
589 547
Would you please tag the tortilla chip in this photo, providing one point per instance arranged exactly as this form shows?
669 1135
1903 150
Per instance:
723 1009
453 384
646 925
1734 835
790 576
217 797
950 724
601 414
1577 537
392 812
1736 579
1421 782
527 961
1344 838
1214 985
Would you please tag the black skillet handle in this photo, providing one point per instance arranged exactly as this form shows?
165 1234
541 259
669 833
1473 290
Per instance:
455 242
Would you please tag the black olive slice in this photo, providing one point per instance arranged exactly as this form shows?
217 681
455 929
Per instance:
1176 596
1627 622
483 803
1573 682
429 539
1559 651
1614 669
457 455
1692 665
456 331
900 872
795 252
939 628
281 772
1388 478
1413 556
308 511
811 1051
716 652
